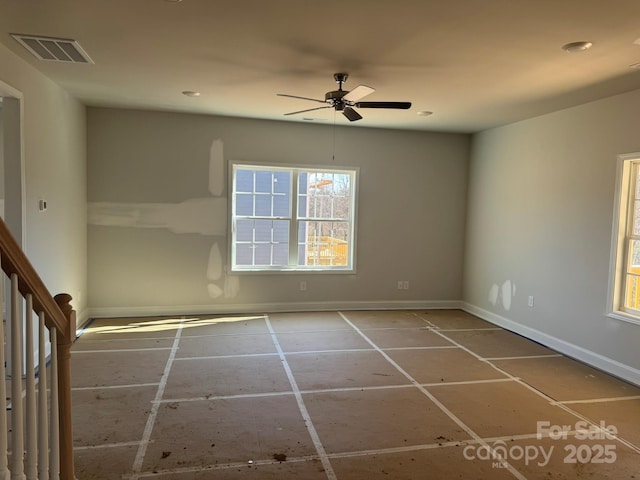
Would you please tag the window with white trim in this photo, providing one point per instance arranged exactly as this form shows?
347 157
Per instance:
626 270
292 218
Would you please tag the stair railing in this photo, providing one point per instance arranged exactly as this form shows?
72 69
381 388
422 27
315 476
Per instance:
40 444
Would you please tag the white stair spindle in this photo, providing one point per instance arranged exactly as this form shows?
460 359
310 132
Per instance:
4 470
54 429
17 419
31 466
43 424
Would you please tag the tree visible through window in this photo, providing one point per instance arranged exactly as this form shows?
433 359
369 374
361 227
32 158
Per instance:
286 218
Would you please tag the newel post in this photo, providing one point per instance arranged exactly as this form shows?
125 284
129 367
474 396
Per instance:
64 387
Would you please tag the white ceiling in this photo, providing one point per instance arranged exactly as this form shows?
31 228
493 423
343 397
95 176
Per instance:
475 63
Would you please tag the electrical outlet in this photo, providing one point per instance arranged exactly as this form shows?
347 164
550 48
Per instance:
303 286
530 302
405 285
400 285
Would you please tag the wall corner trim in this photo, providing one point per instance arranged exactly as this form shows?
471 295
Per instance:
606 364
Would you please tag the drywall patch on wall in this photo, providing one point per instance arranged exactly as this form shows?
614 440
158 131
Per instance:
502 294
204 216
216 168
214 268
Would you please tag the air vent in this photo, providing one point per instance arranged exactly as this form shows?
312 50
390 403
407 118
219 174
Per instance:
53 49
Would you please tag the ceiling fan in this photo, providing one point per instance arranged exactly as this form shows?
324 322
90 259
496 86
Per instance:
344 100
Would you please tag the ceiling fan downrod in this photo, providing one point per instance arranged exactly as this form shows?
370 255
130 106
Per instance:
335 96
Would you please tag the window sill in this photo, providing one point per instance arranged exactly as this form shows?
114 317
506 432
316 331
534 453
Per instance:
305 271
624 317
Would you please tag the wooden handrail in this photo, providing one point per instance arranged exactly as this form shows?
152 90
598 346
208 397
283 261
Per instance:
15 261
58 315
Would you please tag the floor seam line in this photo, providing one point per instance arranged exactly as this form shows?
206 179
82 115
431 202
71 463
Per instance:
439 404
522 357
151 419
212 398
109 387
315 438
541 394
120 350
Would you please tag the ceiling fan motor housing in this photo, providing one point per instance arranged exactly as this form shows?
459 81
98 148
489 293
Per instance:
335 97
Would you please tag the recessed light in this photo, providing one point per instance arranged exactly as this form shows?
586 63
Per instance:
635 65
424 113
190 93
575 47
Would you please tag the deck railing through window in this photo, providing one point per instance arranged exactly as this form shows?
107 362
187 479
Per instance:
327 251
36 441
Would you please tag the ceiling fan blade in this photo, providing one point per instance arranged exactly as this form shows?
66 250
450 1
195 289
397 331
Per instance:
301 98
357 93
308 110
399 105
351 114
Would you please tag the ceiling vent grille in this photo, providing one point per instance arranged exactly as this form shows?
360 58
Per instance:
53 49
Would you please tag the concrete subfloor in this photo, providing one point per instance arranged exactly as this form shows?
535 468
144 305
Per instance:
400 395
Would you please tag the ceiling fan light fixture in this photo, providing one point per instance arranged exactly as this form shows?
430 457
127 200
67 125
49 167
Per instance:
577 47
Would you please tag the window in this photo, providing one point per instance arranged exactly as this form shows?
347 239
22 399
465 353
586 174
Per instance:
625 291
285 218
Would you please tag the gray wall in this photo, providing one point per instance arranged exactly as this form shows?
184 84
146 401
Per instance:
157 233
54 163
539 223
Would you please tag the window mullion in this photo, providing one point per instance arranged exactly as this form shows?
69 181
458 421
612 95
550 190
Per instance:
294 222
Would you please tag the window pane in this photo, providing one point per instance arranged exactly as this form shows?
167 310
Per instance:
632 294
282 182
342 196
244 181
263 254
281 204
264 182
281 254
263 205
281 231
244 254
636 217
244 230
324 243
632 291
262 242
244 204
263 230
302 206
328 196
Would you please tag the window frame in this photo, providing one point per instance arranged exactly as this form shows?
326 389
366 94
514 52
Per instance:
628 168
294 219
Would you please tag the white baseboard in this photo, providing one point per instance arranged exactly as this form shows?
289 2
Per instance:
82 318
151 311
606 364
